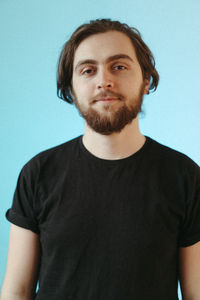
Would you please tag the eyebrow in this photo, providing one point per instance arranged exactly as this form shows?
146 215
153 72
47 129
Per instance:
109 59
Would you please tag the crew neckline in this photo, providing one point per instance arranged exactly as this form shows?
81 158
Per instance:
114 161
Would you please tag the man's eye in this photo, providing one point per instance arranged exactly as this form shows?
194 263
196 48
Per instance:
87 71
119 67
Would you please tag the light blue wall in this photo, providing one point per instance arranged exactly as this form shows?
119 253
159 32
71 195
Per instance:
33 118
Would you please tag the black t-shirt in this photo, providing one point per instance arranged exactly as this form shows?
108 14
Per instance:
109 229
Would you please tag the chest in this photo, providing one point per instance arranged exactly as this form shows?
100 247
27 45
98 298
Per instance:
121 208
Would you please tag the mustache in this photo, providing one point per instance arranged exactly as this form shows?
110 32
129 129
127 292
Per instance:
105 94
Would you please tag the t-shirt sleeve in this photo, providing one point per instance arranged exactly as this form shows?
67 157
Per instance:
22 211
190 229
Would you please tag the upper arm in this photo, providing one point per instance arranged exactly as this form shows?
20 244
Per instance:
23 261
189 271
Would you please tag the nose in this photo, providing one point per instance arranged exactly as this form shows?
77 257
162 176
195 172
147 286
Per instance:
104 80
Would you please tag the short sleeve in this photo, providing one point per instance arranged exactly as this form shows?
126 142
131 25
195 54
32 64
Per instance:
22 211
190 229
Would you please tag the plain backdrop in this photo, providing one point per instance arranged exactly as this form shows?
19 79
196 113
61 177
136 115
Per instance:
33 119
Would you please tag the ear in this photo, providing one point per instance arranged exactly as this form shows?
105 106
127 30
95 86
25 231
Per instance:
146 86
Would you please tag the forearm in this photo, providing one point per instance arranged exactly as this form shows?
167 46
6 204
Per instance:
22 266
197 297
14 296
11 290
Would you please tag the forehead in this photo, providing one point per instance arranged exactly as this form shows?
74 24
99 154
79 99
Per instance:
103 45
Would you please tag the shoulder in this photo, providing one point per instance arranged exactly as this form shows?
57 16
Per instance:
172 160
164 152
52 158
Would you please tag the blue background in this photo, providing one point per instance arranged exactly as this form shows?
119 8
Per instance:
34 119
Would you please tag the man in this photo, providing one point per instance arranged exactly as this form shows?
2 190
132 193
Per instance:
112 214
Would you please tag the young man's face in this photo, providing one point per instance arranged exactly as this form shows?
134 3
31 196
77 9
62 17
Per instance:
107 81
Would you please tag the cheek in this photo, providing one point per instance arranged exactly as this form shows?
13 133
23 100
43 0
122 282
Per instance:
133 85
85 89
129 87
82 92
76 89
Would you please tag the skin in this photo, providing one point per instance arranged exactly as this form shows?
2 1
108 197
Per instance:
22 265
105 67
189 272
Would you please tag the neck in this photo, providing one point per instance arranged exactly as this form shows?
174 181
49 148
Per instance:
114 146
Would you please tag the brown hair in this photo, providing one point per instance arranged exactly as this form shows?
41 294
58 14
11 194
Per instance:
65 63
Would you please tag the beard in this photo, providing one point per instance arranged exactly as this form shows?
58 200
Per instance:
112 121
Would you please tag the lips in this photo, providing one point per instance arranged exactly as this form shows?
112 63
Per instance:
108 99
